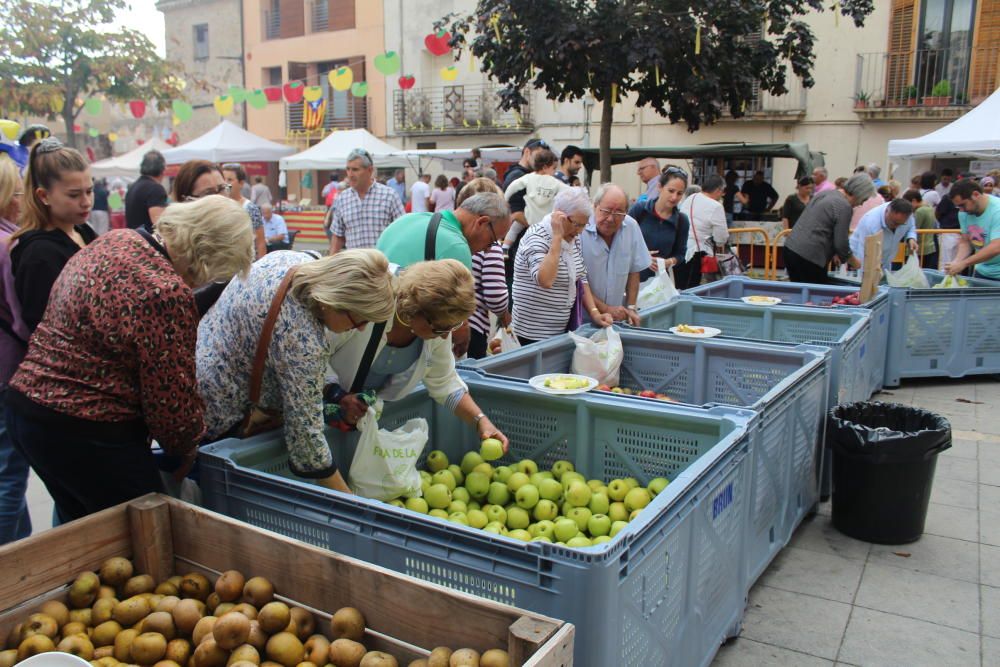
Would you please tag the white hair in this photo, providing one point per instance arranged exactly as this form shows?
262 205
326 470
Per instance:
573 201
604 188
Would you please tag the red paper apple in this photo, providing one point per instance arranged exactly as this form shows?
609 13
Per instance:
438 43
294 90
273 93
138 108
407 82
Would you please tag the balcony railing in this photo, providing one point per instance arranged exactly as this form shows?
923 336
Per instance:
319 15
343 112
271 23
792 103
457 110
926 77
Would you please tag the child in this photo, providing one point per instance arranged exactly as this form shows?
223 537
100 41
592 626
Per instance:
540 190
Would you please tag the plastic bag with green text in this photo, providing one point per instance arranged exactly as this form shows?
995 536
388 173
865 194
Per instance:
385 463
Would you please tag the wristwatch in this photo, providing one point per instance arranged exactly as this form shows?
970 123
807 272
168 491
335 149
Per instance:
630 307
477 418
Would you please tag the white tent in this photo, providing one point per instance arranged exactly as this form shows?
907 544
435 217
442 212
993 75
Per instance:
452 158
127 164
227 142
974 135
331 153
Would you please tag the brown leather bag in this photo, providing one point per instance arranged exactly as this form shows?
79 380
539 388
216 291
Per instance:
258 419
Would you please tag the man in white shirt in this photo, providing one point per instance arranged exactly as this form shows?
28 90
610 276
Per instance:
420 193
275 229
894 220
947 178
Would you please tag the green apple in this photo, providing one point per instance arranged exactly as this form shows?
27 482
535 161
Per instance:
569 477
470 461
550 489
599 524
498 494
477 484
502 474
632 482
633 515
496 513
396 502
594 484
581 515
600 539
527 466
477 518
657 485
603 490
616 527
541 538
599 503
457 506
516 481
618 512
444 477
562 466
490 449
518 517
457 473
545 509
566 529
520 534
438 496
545 528
441 514
526 496
579 542
424 485
494 527
578 494
537 477
437 460
459 517
461 493
425 476
417 505
473 505
484 468
637 498
617 489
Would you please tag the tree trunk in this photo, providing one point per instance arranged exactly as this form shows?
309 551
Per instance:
607 115
68 121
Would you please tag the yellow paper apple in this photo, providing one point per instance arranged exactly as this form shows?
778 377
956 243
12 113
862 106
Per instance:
341 78
313 93
10 128
223 105
449 73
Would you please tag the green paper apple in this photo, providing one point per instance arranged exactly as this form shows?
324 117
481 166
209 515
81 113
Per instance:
238 93
182 110
257 99
387 63
115 200
93 106
93 132
341 78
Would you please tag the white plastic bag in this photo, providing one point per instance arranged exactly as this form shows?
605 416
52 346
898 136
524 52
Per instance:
910 275
508 340
385 462
599 357
659 289
952 282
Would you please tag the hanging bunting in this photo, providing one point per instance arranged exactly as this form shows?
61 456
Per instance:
407 82
697 40
223 105
56 104
313 93
388 63
11 129
257 99
341 78
182 110
112 137
294 90
359 88
438 43
273 93
312 113
93 106
449 73
472 63
836 13
138 108
614 94
93 132
238 93
495 22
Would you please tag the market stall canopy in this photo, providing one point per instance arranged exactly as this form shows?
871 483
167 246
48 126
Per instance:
798 151
974 135
227 142
331 153
452 158
127 164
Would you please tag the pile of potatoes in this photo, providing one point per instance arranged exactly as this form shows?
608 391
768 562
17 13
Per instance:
115 618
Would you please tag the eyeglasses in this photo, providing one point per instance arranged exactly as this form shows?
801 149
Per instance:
445 331
493 233
354 323
225 188
613 214
676 171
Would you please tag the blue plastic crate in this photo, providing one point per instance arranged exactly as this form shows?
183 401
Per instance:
844 332
737 287
666 591
786 385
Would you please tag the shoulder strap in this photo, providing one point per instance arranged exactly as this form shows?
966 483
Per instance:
257 375
367 358
691 222
430 243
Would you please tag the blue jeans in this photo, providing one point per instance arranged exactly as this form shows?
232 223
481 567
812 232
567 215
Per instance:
15 522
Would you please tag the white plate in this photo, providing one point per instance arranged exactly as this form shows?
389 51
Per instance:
538 382
708 333
55 659
761 300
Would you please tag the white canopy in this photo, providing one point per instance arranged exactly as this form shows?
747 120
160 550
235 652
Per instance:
127 164
974 135
227 142
452 158
331 153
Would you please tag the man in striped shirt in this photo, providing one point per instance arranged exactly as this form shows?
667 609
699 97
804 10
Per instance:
361 213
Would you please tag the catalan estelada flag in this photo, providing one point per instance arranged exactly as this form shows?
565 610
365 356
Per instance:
313 113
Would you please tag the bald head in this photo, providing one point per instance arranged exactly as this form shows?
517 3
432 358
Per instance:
610 208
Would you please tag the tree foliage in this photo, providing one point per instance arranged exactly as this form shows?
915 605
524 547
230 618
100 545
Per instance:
63 51
572 48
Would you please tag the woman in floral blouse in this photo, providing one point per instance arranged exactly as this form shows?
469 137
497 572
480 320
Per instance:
112 362
338 294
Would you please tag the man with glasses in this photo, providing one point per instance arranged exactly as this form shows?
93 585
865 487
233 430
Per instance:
615 253
979 218
146 198
362 212
649 173
236 178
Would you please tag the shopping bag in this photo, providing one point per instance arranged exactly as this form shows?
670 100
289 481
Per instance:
508 340
385 462
730 263
599 356
659 289
952 282
910 275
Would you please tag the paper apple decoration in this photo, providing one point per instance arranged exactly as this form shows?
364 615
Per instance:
273 93
294 90
112 137
182 110
138 108
359 88
56 104
313 93
387 63
93 132
438 43
10 129
77 128
93 106
341 78
115 200
238 93
223 105
257 99
407 82
449 73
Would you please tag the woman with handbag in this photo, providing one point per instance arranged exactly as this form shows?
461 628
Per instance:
708 230
551 293
264 347
112 363
663 226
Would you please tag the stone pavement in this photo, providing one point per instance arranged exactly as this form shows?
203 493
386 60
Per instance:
828 599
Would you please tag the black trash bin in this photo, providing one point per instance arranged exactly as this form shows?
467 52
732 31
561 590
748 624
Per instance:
884 455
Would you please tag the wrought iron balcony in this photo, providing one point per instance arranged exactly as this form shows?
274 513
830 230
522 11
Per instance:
343 112
461 109
791 104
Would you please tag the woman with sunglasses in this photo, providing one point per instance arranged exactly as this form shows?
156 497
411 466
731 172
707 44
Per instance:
663 226
198 178
327 301
433 299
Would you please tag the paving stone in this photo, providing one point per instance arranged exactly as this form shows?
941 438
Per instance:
961 449
749 653
948 521
919 595
944 556
989 558
954 492
794 621
990 602
964 470
878 639
818 534
989 471
989 526
815 573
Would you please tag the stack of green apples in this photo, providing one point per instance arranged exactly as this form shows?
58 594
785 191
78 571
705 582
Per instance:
520 501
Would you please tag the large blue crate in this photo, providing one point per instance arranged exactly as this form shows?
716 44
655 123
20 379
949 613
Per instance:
737 287
666 591
845 332
786 385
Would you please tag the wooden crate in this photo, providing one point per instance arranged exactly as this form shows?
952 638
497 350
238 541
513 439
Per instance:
164 536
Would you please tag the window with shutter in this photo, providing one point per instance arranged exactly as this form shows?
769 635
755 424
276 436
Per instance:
293 18
340 14
900 52
985 73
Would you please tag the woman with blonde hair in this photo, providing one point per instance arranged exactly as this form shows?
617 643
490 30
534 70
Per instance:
112 363
433 299
339 294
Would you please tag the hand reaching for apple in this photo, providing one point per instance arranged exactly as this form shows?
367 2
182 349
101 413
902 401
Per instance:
488 430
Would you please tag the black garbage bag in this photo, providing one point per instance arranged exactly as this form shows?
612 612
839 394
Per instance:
887 432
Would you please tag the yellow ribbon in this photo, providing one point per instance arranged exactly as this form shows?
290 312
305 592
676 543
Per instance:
495 22
697 40
517 117
472 63
614 94
657 76
532 70
836 13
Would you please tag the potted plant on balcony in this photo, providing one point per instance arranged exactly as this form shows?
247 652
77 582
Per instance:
861 100
940 94
911 95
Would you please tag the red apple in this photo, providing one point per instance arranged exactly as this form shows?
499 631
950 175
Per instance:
438 44
646 393
406 82
602 387
273 93
294 91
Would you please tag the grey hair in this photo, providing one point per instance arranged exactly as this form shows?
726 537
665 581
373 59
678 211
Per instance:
360 154
153 164
604 189
573 201
490 204
821 170
874 170
691 190
490 173
860 187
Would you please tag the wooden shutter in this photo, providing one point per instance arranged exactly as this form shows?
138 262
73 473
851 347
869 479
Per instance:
984 75
293 18
899 56
340 15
